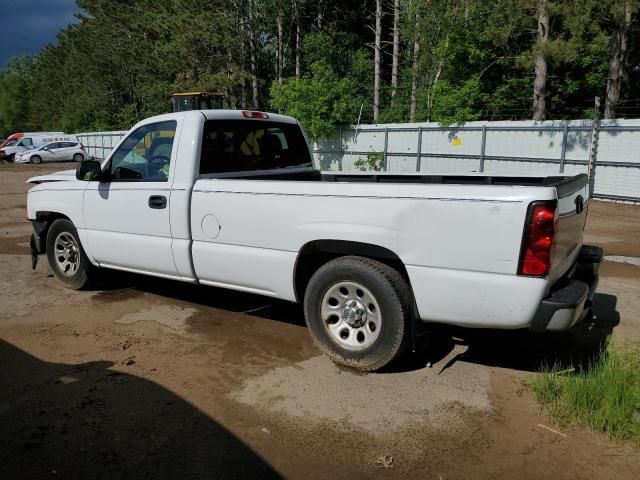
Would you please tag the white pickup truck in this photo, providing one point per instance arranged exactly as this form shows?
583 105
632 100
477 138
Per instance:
231 199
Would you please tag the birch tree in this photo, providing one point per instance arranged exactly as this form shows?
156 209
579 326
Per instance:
377 49
396 48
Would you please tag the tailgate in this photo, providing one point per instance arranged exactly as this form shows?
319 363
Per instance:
573 202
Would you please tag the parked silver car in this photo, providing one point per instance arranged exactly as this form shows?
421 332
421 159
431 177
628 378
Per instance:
53 152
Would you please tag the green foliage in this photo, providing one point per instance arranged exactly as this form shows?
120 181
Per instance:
373 161
319 101
15 82
451 103
605 396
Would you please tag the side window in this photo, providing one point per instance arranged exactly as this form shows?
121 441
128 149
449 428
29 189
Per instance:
145 155
51 146
26 142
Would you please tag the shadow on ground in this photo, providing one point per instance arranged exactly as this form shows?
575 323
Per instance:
204 296
514 349
87 421
519 349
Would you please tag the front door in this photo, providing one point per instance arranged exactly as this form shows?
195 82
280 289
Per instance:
51 153
127 215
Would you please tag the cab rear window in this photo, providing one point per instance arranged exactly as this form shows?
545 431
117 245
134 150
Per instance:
246 145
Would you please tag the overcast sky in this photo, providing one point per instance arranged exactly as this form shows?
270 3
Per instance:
26 26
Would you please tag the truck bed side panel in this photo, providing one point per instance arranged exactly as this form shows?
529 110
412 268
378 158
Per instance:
247 234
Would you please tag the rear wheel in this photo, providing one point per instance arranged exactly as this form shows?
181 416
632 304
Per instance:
358 312
78 157
66 257
36 159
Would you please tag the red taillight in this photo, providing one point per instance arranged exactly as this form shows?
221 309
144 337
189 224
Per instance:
82 147
535 259
253 114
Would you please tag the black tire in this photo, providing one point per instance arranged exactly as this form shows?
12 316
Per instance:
393 296
35 159
11 158
78 157
86 273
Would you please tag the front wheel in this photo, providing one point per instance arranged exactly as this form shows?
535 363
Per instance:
66 257
358 312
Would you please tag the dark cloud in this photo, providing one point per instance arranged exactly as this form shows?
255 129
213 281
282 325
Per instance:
26 26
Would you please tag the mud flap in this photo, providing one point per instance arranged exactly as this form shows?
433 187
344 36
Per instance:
34 252
36 242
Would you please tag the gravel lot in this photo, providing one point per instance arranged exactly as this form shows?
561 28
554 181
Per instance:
156 379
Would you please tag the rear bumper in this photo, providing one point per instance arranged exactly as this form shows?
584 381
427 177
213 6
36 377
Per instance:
571 297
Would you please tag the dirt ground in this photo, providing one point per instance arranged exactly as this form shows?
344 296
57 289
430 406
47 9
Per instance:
162 380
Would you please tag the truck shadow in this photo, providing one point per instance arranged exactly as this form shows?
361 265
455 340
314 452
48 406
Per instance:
88 421
514 349
204 296
519 349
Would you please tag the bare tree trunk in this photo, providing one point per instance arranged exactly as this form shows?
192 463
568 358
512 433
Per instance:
618 63
280 61
253 56
298 41
396 48
320 16
377 54
414 72
540 81
242 20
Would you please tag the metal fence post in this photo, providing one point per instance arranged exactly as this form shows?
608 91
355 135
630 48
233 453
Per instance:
386 146
563 153
593 153
419 149
340 149
483 145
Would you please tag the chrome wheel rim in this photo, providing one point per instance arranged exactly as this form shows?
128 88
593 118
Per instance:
67 254
351 315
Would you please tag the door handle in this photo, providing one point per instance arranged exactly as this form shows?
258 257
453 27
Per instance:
158 201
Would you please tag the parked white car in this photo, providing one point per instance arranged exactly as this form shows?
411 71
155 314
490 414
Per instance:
53 152
231 199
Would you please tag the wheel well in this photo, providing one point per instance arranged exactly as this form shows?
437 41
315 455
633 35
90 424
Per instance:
318 252
43 222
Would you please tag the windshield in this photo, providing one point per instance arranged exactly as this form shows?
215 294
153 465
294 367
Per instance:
11 143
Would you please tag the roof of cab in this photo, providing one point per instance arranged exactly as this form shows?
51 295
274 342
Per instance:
217 115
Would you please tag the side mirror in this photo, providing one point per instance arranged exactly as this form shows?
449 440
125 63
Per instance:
89 170
45 148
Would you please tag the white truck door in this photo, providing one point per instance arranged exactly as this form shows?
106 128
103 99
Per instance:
127 215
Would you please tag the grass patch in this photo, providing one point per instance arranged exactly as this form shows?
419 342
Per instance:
604 396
